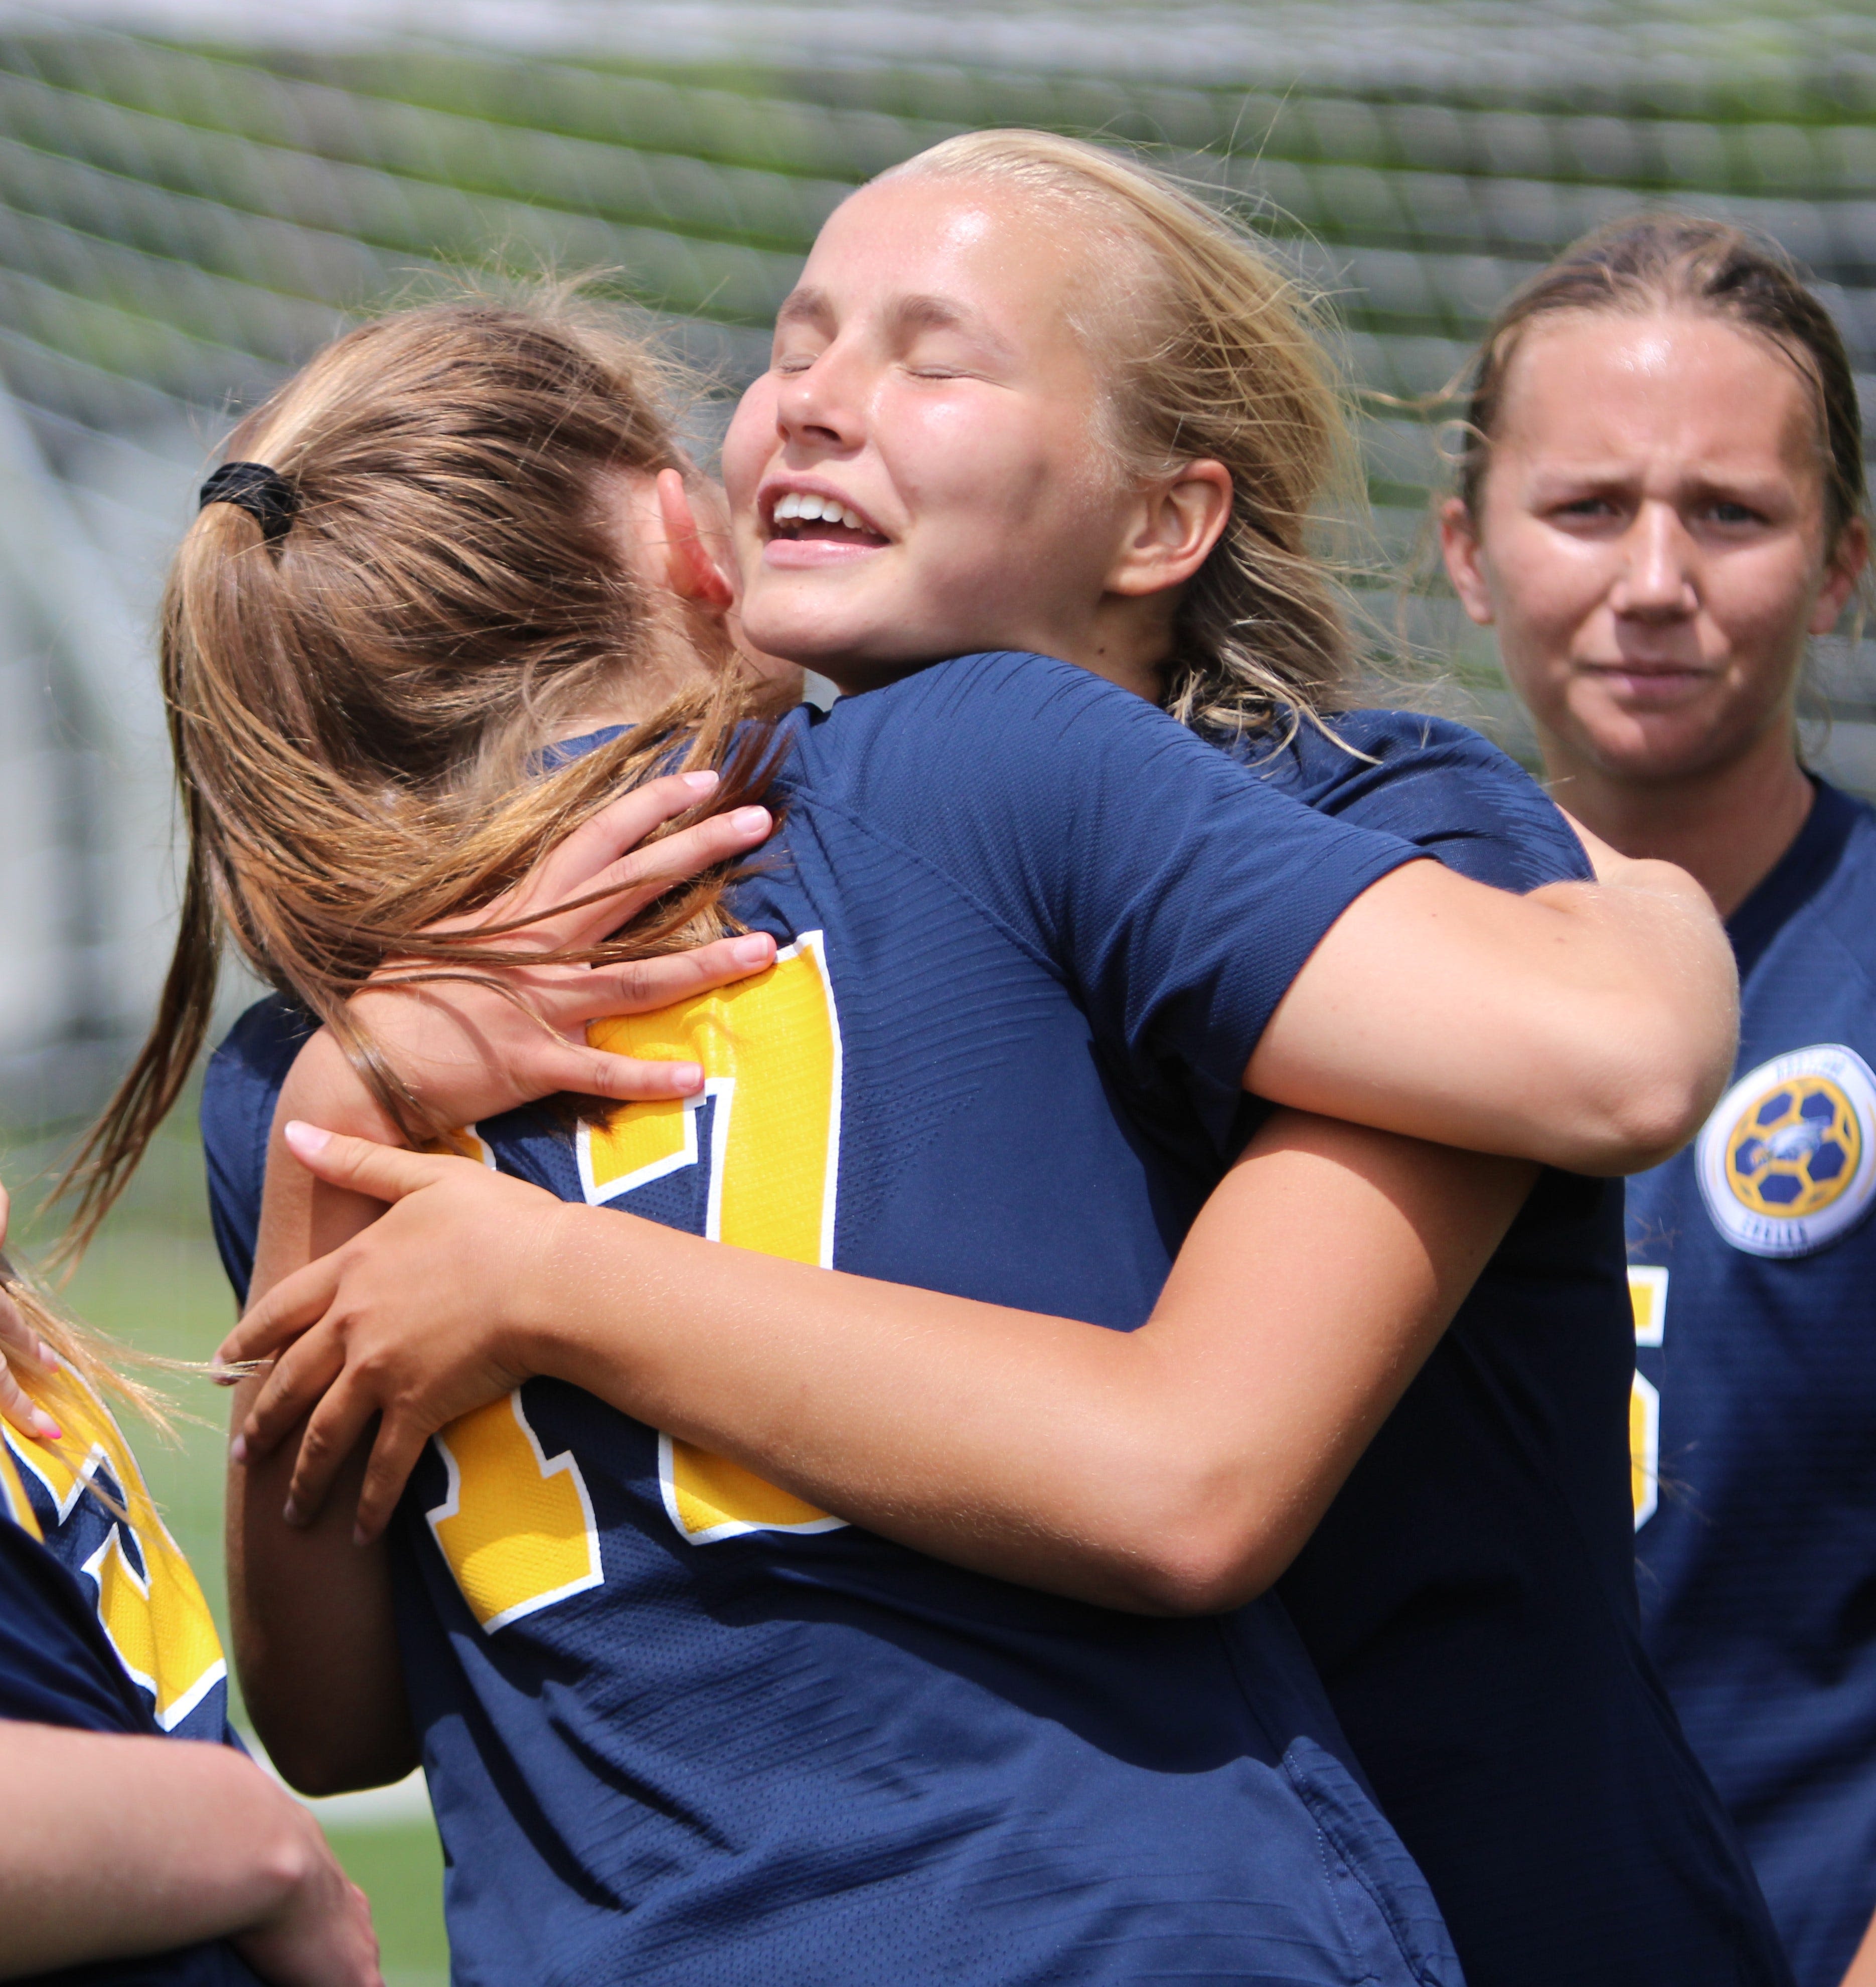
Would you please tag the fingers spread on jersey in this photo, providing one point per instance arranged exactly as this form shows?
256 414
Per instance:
301 1376
19 1407
19 1343
603 857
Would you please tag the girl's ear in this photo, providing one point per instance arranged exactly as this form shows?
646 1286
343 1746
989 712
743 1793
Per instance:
691 568
1459 546
1173 528
1848 558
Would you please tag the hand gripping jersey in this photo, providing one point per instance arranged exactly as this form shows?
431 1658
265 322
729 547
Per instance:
1754 1268
102 1628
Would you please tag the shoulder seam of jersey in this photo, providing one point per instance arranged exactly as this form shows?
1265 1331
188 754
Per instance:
814 798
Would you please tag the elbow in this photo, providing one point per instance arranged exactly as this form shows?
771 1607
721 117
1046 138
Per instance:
1671 1082
317 1763
1646 1126
1203 1557
317 1772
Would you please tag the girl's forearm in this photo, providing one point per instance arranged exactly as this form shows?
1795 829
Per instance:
113 1845
314 1643
1175 1468
1590 1027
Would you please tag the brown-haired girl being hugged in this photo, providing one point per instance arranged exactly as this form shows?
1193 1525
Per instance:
680 1717
1663 500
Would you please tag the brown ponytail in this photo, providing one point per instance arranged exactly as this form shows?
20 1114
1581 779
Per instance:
352 701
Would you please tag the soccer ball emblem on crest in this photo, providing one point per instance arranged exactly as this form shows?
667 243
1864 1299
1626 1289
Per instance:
1788 1162
1795 1152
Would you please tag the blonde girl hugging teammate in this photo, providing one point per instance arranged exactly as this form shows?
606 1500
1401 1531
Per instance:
1022 1014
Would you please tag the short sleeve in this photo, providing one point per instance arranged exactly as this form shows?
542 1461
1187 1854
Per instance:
1175 893
1437 785
55 1667
240 1089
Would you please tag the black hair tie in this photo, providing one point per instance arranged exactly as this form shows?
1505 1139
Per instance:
267 497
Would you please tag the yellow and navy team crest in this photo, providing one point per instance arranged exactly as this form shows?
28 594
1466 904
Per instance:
1787 1163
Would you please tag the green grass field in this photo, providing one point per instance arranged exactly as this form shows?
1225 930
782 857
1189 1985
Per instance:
153 1279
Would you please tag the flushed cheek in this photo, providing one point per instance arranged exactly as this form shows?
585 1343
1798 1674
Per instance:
747 447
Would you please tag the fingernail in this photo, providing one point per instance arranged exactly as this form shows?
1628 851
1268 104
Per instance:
753 951
358 1537
700 782
221 1376
238 1449
292 1514
687 1076
748 820
48 1357
307 1140
48 1429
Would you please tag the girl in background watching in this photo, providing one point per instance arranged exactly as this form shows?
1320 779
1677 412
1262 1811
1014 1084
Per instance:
956 418
1662 502
127 1855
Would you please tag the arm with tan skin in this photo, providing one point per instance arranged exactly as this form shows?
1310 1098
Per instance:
1863 1967
141 1845
311 1612
1316 1280
1586 1026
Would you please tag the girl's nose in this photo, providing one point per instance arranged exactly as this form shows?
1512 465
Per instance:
818 405
1656 582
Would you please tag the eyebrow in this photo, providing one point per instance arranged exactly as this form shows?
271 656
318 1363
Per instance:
804 306
935 313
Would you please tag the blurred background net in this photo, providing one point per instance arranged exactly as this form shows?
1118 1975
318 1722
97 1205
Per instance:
193 196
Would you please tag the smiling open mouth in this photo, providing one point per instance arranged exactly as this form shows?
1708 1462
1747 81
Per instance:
803 516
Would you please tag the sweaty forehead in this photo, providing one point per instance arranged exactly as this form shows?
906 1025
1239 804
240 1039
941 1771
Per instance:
1612 383
981 255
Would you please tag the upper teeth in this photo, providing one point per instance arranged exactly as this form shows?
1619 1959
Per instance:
805 504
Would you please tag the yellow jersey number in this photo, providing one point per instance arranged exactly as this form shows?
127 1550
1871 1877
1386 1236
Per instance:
1647 1292
516 1526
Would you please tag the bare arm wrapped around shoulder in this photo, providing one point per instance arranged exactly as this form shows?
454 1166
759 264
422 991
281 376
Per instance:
1589 1026
1175 1468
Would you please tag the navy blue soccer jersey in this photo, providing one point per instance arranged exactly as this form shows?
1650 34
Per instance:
679 1726
1469 1597
81 1647
1488 1660
118 1549
1754 1267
